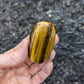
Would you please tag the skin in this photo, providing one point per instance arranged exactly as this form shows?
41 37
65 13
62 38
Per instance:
16 68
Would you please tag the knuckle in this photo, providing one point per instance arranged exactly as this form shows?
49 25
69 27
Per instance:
13 56
41 77
31 71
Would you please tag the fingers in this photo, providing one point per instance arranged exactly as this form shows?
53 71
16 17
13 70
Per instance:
16 55
28 61
52 55
43 73
56 40
33 69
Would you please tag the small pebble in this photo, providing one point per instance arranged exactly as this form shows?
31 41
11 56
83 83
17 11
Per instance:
23 5
29 25
67 73
50 15
58 82
68 3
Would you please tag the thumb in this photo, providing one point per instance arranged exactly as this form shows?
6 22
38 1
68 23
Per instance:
16 55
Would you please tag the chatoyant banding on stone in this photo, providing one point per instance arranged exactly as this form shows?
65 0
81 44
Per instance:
41 42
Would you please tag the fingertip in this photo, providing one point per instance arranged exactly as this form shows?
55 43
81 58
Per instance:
52 55
53 52
48 67
56 39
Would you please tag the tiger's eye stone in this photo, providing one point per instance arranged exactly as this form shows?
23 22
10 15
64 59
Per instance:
41 42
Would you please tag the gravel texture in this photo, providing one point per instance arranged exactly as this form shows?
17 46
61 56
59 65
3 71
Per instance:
17 18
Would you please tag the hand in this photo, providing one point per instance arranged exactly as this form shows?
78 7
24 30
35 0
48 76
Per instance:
16 68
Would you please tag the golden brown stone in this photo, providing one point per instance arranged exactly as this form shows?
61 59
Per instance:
41 43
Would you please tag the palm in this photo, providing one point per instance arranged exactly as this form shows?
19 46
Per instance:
21 74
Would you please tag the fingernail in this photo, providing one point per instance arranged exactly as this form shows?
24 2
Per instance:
53 53
48 66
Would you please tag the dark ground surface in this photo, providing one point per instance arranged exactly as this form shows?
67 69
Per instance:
17 18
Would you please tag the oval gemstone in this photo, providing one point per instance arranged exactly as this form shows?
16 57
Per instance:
41 42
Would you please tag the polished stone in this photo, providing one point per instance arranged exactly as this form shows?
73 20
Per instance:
41 43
